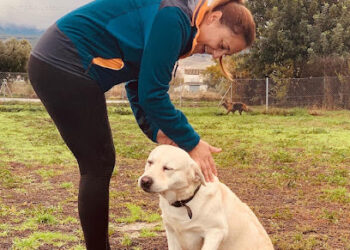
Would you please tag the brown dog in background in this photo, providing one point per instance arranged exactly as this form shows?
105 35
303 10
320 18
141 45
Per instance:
233 106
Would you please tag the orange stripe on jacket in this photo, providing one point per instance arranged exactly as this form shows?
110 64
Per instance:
114 63
201 13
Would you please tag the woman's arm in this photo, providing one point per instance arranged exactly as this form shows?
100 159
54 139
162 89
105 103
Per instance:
145 125
169 36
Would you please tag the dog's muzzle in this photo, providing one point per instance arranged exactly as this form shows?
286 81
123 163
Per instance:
146 183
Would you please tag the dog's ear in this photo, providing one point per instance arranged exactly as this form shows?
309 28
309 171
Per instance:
198 172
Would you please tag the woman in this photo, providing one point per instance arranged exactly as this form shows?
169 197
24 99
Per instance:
107 42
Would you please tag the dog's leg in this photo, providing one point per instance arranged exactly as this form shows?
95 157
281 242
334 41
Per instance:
173 243
213 240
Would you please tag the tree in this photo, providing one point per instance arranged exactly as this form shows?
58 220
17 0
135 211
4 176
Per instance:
297 31
14 55
295 38
214 77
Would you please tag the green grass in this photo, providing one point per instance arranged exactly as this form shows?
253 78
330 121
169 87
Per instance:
37 216
47 173
126 240
283 214
32 138
69 220
339 177
37 239
146 233
67 185
340 194
28 136
136 213
331 216
4 230
7 179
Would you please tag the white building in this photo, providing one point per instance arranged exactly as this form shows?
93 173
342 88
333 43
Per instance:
191 69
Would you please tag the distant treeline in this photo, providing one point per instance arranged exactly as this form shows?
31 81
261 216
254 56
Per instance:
33 39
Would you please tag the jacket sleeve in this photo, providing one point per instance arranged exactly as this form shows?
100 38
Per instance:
170 33
147 128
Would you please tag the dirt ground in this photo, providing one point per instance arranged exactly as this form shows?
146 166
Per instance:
302 217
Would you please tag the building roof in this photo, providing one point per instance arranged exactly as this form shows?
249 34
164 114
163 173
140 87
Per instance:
197 61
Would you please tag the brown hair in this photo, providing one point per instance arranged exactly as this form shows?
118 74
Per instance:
240 20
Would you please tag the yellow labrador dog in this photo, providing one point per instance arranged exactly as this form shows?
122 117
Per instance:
199 215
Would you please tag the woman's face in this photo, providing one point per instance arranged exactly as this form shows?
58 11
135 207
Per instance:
217 39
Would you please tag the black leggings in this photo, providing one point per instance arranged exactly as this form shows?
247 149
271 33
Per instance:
78 108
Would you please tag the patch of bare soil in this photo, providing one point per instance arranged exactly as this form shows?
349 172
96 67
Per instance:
284 211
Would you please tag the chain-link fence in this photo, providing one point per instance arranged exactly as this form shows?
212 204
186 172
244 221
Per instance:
15 85
321 92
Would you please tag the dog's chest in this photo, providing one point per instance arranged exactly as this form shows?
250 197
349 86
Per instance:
190 241
187 234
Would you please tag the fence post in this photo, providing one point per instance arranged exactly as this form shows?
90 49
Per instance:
324 102
231 92
181 89
267 93
4 87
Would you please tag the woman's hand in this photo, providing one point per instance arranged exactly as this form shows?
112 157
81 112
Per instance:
202 154
163 139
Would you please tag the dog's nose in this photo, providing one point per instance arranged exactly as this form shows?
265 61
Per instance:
146 182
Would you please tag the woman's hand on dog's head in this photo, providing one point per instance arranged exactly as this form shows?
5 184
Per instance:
202 154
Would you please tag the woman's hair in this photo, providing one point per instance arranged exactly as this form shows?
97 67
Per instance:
239 19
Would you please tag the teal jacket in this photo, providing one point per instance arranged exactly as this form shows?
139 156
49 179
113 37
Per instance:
138 42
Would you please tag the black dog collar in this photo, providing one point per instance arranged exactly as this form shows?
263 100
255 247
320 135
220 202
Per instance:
183 203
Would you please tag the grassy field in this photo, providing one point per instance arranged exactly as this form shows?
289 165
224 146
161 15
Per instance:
290 167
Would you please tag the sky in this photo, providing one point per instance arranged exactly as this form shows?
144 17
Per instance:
38 14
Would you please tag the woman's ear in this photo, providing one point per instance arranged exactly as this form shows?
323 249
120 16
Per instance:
213 16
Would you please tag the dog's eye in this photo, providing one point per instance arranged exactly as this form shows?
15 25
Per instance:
165 168
150 162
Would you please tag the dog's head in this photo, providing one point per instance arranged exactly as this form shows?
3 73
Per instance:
245 108
227 104
169 168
